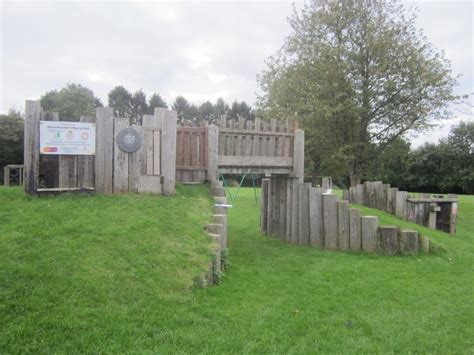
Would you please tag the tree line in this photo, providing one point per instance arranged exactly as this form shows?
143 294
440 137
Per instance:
75 100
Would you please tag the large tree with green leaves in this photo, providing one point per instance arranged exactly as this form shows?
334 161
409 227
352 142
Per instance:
357 75
11 139
156 101
71 102
120 99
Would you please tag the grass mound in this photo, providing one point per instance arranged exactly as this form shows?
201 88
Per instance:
82 269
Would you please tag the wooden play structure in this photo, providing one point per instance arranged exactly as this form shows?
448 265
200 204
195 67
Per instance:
435 212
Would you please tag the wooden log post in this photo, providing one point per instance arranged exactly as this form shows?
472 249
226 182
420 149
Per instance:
343 225
295 210
49 164
212 152
85 164
31 146
168 151
388 239
384 196
120 177
408 242
369 227
424 241
325 184
289 208
316 216
354 230
330 221
104 150
264 205
136 162
282 202
6 176
359 193
391 199
298 155
221 219
304 227
401 204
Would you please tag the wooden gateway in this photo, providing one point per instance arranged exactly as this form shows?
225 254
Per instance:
113 165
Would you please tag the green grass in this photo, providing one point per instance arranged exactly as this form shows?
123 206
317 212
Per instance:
276 297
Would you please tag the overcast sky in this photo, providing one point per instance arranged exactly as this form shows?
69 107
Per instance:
201 50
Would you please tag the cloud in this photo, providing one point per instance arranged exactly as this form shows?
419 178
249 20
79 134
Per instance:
202 50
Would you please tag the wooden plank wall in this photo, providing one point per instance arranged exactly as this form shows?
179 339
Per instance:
375 194
312 217
191 154
255 138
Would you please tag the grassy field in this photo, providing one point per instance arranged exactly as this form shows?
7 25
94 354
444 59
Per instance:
276 298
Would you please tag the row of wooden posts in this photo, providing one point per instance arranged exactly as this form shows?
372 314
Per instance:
301 214
436 212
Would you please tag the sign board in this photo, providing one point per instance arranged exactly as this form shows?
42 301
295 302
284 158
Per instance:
67 138
129 140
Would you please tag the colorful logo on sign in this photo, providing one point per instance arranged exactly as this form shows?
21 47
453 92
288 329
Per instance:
50 149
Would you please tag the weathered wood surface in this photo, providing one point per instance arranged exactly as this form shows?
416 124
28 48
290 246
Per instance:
168 137
369 227
244 161
85 164
388 240
316 216
213 156
222 220
330 222
355 240
31 145
68 171
264 205
295 210
298 155
401 204
289 208
120 158
149 184
136 163
304 224
408 242
49 164
104 150
343 225
282 187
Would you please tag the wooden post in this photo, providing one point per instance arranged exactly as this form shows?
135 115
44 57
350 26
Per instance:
104 150
282 202
384 196
168 151
330 221
359 193
453 217
433 210
264 205
31 146
49 164
136 162
303 190
401 204
343 224
388 239
369 226
6 176
408 242
120 180
354 230
391 199
295 210
316 216
425 243
85 164
298 155
222 220
212 152
289 208
325 184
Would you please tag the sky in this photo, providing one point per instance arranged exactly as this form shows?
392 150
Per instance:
201 50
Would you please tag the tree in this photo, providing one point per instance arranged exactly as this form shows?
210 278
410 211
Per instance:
11 139
241 109
71 102
120 99
357 75
156 101
139 107
221 107
183 109
206 111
